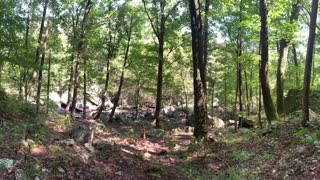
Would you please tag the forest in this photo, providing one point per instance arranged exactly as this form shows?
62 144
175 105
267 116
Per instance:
159 89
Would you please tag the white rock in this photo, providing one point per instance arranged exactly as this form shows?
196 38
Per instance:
61 170
146 156
119 173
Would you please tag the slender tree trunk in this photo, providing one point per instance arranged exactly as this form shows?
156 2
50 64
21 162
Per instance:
48 84
251 90
212 98
137 100
116 100
200 97
296 64
26 46
185 94
267 99
161 35
111 50
34 74
205 44
240 94
84 112
70 86
247 93
225 98
80 48
308 64
41 66
104 93
259 103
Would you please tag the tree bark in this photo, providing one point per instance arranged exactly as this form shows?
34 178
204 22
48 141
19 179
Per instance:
80 48
205 44
84 111
41 66
296 64
264 79
200 97
70 86
26 45
116 100
283 58
48 83
282 66
111 50
34 74
247 93
308 64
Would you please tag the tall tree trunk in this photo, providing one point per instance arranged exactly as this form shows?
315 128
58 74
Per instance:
160 36
48 83
296 64
80 48
264 79
205 44
116 100
308 64
282 66
104 92
212 98
259 103
247 93
84 112
240 93
159 29
34 74
41 66
136 100
70 86
200 97
111 50
26 46
283 57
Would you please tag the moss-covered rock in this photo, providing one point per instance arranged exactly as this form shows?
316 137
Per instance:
293 101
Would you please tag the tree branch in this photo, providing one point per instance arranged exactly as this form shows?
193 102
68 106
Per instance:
151 22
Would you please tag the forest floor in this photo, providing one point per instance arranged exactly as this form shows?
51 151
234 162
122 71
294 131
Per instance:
41 148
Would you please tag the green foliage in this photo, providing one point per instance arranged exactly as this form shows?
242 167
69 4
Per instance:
304 136
234 173
167 142
242 156
196 145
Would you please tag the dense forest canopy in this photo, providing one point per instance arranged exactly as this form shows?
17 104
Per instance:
251 62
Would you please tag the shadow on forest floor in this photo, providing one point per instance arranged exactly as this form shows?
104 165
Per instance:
55 147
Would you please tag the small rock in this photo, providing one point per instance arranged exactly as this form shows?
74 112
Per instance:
25 143
85 155
61 170
119 173
89 147
146 156
67 142
20 174
44 170
37 178
6 164
301 149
